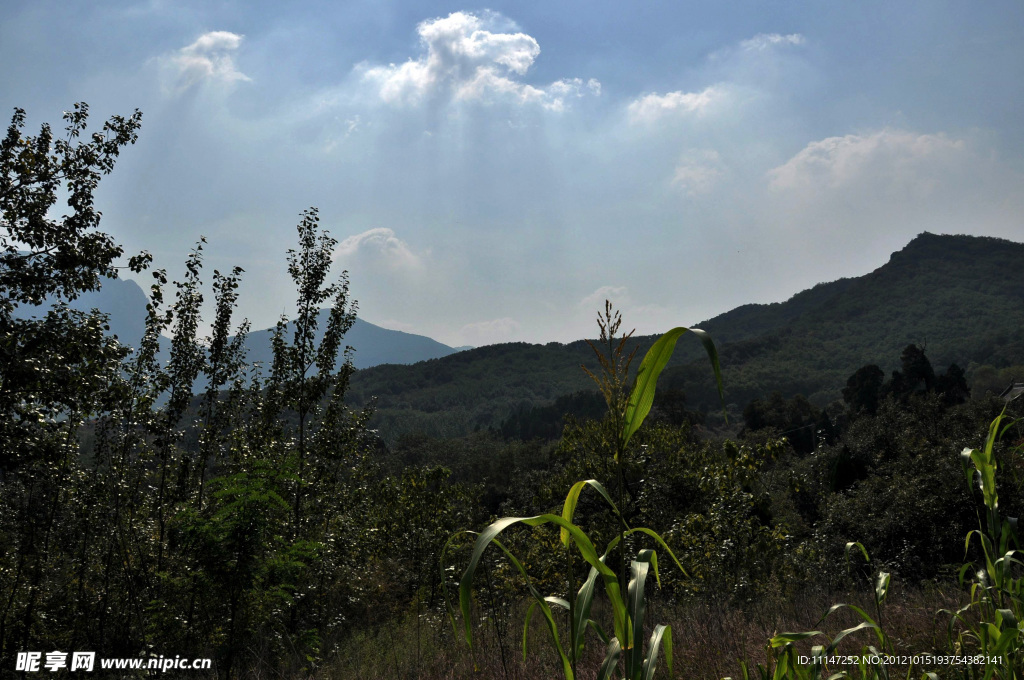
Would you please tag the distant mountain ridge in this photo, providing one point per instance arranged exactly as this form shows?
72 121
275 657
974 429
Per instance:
125 303
373 345
961 297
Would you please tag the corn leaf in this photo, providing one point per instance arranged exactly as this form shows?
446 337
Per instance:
662 636
642 397
611 660
572 499
583 544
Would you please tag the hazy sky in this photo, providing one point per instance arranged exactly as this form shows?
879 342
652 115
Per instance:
493 172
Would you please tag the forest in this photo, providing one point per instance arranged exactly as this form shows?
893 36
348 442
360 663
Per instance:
858 520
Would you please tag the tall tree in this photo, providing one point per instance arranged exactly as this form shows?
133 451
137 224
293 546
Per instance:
55 370
51 366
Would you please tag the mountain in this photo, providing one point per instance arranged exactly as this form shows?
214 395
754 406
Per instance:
374 345
121 299
960 297
125 303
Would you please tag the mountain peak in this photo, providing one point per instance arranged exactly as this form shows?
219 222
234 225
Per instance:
955 247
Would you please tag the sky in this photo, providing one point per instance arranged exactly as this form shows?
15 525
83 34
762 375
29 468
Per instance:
493 173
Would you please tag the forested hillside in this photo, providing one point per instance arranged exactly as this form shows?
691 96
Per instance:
959 297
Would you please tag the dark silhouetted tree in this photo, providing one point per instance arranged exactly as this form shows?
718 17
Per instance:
863 388
952 386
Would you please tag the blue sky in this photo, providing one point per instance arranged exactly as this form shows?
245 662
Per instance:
493 173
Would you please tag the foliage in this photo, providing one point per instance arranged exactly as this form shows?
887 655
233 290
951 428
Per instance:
545 423
495 466
803 424
56 366
893 472
987 629
56 370
67 256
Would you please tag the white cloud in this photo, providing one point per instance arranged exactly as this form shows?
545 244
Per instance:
651 107
698 171
763 41
467 60
619 296
210 57
882 187
383 242
893 160
490 332
574 87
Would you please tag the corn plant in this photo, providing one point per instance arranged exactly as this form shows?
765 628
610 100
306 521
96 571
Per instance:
997 589
627 599
628 610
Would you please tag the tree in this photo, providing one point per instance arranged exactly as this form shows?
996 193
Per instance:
797 419
136 514
862 388
51 367
917 374
65 256
952 385
58 369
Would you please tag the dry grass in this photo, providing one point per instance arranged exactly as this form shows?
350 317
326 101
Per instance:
709 639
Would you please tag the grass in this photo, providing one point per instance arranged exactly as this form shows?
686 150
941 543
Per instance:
711 638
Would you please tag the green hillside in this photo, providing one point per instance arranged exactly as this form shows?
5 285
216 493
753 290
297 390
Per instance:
961 297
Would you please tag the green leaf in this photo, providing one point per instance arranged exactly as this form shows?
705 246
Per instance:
583 544
642 397
662 635
584 603
637 610
860 626
851 545
783 639
599 630
572 499
611 660
882 586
